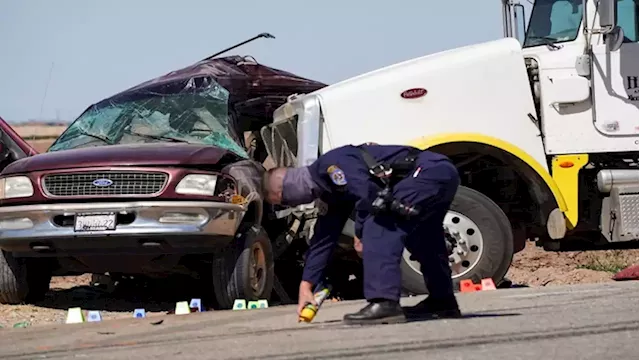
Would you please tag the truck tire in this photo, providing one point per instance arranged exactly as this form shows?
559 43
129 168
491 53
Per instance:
487 243
245 269
22 280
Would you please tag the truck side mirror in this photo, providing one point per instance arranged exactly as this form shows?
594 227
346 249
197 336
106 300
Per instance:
608 11
614 38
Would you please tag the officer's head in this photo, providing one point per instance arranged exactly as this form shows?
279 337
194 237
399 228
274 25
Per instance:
289 186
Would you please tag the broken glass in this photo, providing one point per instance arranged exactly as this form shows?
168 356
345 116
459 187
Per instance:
196 115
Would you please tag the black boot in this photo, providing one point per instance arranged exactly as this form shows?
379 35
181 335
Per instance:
377 312
432 308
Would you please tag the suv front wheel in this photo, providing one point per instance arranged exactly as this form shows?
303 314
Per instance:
245 269
22 280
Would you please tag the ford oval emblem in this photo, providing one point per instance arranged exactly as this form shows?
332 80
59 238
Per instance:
102 182
414 93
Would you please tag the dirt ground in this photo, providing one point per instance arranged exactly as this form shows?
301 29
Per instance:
531 267
537 267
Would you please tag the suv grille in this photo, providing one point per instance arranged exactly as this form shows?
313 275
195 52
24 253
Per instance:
107 183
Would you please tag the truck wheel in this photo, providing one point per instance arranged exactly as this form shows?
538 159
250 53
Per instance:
481 238
22 280
245 269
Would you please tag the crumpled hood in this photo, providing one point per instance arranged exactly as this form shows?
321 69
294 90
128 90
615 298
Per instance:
156 154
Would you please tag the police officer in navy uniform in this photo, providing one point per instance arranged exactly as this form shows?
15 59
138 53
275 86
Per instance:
400 195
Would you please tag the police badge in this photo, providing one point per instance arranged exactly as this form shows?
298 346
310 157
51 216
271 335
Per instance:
337 175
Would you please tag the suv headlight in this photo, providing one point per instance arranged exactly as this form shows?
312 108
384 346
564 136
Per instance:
15 187
197 184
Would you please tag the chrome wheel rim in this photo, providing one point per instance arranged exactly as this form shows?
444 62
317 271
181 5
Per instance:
466 245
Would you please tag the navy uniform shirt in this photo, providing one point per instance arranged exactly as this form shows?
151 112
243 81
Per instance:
346 184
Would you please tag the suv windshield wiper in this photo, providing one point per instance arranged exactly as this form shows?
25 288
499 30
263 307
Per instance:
158 137
95 136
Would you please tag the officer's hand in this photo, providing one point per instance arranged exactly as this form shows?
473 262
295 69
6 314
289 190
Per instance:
305 296
357 245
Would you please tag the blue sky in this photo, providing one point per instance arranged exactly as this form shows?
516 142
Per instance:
98 48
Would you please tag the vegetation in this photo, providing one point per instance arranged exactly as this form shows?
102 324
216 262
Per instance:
610 261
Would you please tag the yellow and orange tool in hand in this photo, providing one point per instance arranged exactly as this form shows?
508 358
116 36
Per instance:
320 295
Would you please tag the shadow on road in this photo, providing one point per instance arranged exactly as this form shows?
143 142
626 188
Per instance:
417 319
162 295
464 316
153 297
483 315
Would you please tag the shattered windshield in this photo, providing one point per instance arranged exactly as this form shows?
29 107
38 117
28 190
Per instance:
194 116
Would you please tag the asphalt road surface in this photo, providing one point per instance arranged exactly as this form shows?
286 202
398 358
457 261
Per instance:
560 322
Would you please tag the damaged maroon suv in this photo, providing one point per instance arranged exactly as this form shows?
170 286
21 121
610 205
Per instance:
154 181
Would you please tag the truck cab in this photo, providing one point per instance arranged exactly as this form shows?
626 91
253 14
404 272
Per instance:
543 131
584 81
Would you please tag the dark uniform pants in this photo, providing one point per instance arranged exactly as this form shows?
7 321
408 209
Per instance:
432 187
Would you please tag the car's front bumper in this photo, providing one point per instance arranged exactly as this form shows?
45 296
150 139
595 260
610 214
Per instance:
141 227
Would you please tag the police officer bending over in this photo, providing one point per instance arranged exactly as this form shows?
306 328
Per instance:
400 195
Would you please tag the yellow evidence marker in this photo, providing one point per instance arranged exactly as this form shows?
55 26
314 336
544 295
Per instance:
182 308
74 316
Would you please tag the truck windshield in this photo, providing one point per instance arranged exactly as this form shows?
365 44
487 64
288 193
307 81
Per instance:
553 21
196 117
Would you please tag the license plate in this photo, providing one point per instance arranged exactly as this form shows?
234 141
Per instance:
95 222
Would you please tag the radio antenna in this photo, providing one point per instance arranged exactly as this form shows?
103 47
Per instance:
46 88
262 35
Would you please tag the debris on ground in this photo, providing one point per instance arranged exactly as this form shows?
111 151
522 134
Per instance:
629 273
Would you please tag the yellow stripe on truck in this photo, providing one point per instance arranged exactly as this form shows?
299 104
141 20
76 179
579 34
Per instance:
565 169
431 141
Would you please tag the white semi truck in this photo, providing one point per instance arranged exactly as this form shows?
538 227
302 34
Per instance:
544 132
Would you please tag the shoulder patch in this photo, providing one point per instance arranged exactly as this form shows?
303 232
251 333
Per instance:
337 175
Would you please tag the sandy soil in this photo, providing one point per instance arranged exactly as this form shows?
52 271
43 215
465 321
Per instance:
536 267
531 267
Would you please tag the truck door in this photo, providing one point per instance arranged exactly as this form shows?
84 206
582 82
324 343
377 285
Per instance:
12 146
615 78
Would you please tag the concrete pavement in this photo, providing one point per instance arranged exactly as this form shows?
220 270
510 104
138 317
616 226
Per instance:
598 321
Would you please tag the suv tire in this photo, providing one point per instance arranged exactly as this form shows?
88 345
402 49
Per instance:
22 280
245 269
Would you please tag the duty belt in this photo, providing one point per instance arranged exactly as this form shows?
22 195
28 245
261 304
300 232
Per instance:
388 173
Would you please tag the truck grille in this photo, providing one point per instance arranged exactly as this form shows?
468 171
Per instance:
107 183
